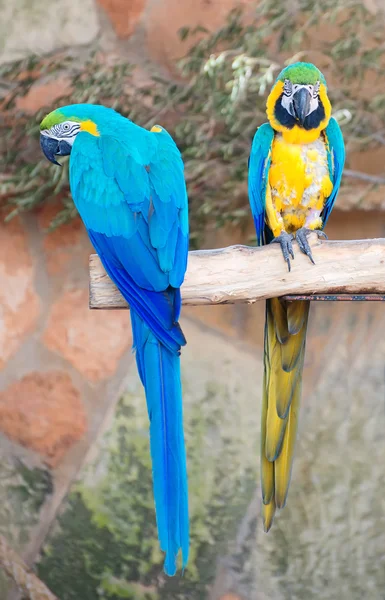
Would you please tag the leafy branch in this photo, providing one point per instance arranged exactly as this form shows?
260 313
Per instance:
215 110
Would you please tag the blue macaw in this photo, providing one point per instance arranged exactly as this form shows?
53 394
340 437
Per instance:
128 186
295 170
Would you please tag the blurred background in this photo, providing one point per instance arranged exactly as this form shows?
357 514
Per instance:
75 475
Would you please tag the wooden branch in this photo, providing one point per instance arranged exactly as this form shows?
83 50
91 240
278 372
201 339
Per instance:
365 176
243 274
26 580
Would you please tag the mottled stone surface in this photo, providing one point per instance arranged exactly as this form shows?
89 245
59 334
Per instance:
374 6
43 411
92 341
38 27
64 246
329 540
23 491
19 303
124 15
43 94
164 20
330 536
105 542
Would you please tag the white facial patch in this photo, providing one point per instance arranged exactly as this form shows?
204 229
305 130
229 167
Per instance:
67 131
291 88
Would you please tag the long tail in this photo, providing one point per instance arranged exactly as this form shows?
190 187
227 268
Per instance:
285 339
159 370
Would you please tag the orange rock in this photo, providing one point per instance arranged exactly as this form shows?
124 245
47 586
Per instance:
58 263
19 303
61 243
165 19
43 94
92 341
368 161
123 15
68 234
373 6
43 411
66 247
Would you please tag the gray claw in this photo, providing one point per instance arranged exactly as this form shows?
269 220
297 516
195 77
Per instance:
301 237
285 239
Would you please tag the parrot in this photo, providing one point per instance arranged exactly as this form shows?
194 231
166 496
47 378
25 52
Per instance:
128 186
294 174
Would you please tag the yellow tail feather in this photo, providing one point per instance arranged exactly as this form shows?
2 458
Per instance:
275 429
296 315
267 467
291 350
280 319
283 364
268 511
284 463
281 384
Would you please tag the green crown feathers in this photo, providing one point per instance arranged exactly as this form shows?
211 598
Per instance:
54 118
303 73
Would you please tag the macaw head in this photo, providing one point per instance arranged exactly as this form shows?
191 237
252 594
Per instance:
299 101
60 128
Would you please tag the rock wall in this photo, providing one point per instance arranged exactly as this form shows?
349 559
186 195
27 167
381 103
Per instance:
37 27
75 477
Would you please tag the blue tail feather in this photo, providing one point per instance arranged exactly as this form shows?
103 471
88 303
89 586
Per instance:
159 369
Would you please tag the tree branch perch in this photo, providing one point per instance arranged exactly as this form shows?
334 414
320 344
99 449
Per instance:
244 274
26 580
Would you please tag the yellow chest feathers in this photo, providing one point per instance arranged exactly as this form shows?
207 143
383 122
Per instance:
299 179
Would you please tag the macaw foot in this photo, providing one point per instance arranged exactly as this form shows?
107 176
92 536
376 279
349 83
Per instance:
285 239
301 237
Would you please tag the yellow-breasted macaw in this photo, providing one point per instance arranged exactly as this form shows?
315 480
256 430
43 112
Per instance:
128 186
295 170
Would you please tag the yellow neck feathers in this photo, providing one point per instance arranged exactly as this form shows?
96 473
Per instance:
89 127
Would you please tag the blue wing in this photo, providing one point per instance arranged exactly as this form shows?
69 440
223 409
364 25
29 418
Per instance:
259 164
336 161
134 206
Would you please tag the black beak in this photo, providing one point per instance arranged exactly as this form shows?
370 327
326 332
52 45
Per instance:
301 104
52 148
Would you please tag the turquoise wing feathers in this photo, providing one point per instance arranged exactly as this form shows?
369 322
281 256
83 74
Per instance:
113 185
259 164
135 210
130 192
336 161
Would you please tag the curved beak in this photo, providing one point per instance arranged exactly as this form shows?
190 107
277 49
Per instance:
301 104
52 148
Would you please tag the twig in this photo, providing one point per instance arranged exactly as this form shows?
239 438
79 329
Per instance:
24 578
364 176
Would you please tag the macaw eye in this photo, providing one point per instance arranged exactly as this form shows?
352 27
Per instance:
316 89
66 126
287 87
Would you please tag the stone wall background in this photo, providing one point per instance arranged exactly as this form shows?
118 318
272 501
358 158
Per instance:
74 470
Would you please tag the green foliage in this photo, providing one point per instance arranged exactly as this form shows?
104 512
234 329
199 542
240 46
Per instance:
107 542
215 112
232 71
328 541
29 181
32 489
23 491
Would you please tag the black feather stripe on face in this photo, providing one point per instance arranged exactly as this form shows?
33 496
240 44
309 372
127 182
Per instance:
312 121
